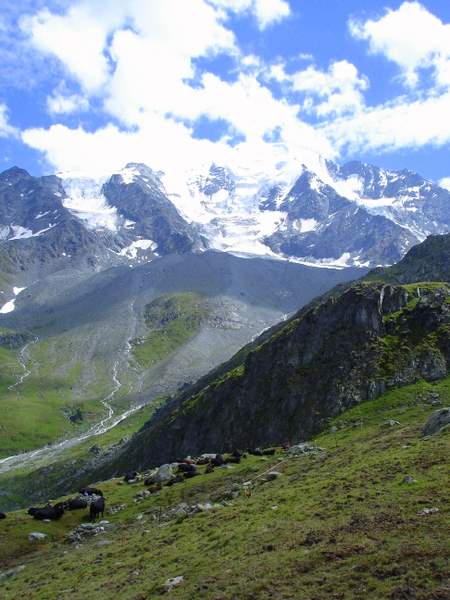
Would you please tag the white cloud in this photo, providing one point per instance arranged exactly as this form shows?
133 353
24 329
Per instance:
266 12
413 38
66 104
445 183
141 60
401 124
6 129
336 91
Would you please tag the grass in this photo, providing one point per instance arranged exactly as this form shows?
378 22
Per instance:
67 469
338 525
37 411
171 320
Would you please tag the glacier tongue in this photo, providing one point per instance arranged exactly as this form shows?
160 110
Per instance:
86 201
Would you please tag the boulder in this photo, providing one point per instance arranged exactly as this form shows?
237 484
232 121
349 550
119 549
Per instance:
162 475
11 572
37 536
438 420
304 448
173 582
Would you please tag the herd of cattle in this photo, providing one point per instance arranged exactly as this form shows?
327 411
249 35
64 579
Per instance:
92 498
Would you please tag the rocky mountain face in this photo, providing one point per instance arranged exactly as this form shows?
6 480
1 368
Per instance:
349 346
35 227
350 215
355 214
429 261
140 198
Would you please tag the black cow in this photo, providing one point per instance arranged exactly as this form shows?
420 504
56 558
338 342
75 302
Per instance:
90 491
75 503
187 468
217 461
97 507
2 515
130 476
53 513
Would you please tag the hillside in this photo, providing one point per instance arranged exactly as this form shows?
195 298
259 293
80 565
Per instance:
363 518
345 348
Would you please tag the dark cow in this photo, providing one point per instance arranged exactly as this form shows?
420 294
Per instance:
187 468
53 513
154 488
75 503
209 468
130 476
176 479
97 507
217 461
2 515
90 491
232 459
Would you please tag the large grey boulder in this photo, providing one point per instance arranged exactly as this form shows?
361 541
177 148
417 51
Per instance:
438 420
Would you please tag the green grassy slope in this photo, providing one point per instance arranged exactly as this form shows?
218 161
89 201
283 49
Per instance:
339 525
67 470
172 320
37 411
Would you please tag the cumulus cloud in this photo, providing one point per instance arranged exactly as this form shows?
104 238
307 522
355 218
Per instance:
336 91
401 124
266 12
412 37
66 104
6 129
140 64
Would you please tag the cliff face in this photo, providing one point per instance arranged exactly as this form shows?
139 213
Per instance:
344 349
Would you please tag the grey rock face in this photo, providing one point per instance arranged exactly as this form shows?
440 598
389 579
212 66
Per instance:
144 201
437 422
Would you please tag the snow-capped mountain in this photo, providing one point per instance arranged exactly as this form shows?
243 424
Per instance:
350 215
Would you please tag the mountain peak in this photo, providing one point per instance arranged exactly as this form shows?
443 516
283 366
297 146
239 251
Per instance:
14 174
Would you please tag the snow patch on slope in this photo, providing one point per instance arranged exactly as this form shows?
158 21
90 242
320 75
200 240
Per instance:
132 250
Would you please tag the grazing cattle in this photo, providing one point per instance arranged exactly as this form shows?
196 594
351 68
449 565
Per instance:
76 503
155 488
2 515
268 452
233 459
90 491
176 479
187 468
255 452
237 454
52 513
130 476
97 507
217 461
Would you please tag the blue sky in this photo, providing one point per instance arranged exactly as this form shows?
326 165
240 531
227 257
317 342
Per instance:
89 85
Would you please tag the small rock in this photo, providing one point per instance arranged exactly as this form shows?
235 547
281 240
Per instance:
173 582
428 511
274 507
390 423
103 543
37 536
304 448
438 420
408 479
272 475
333 429
11 572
